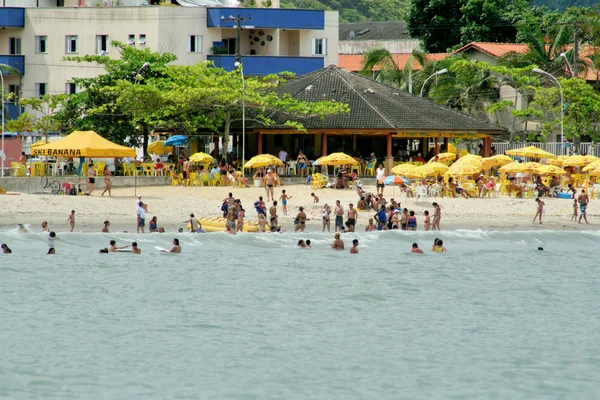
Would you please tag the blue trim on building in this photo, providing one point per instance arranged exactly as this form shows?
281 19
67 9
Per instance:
264 18
13 110
12 17
15 61
265 65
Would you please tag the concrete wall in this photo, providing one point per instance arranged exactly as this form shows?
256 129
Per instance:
34 184
393 46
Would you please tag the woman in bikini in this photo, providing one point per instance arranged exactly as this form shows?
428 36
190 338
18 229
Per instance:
302 163
326 218
107 180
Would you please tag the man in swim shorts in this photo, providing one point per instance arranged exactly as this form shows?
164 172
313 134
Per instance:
270 181
352 216
583 200
339 216
141 217
273 217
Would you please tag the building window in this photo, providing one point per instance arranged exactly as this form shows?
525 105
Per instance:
195 44
15 93
14 45
70 88
41 44
131 40
41 89
229 45
101 44
142 39
319 46
71 44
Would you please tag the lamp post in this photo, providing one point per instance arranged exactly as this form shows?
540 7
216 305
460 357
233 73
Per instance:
241 67
563 55
440 72
2 155
137 81
562 106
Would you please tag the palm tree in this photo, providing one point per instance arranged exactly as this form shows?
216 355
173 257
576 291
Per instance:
388 71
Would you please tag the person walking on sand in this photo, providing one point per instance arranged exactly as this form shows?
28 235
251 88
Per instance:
270 181
71 220
540 210
339 216
437 216
300 220
107 181
575 211
354 248
91 178
583 200
284 198
379 177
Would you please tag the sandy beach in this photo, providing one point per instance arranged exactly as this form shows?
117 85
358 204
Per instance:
172 205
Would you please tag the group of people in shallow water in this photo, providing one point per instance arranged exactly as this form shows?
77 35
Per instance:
338 244
135 249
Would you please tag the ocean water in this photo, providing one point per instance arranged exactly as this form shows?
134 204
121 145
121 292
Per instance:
253 317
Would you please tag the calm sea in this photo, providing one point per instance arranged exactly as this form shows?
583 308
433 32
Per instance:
253 317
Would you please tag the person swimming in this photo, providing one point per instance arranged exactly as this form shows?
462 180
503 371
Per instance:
301 243
6 249
103 251
51 250
439 246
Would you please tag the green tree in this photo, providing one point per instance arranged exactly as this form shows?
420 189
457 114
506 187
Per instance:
187 98
95 108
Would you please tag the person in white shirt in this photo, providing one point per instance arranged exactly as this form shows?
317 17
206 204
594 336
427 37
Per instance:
283 155
141 217
380 175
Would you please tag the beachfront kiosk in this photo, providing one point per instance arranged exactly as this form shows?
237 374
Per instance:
380 117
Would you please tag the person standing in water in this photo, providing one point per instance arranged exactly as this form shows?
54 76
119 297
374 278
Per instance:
583 199
337 242
539 210
354 248
135 249
71 220
300 220
192 222
176 247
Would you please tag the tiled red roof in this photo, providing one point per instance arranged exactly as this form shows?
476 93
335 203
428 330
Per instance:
353 62
495 49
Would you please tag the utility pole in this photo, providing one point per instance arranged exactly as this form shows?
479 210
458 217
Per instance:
238 28
576 52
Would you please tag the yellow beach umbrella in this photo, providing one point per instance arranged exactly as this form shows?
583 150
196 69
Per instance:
549 170
433 168
463 170
401 169
595 172
159 147
579 161
202 158
513 168
443 157
336 159
263 160
468 158
502 159
414 174
592 166
558 160
530 151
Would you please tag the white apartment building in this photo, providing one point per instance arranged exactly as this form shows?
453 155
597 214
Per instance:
35 40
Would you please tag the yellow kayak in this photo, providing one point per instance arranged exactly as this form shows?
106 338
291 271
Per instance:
217 224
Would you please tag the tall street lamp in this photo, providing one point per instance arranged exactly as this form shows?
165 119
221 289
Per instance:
241 67
563 55
562 106
440 72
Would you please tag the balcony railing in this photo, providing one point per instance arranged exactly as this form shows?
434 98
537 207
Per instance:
262 18
15 61
13 111
265 65
551 147
12 17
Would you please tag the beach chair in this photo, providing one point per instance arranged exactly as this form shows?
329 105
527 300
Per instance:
370 169
203 179
215 181
421 191
175 179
